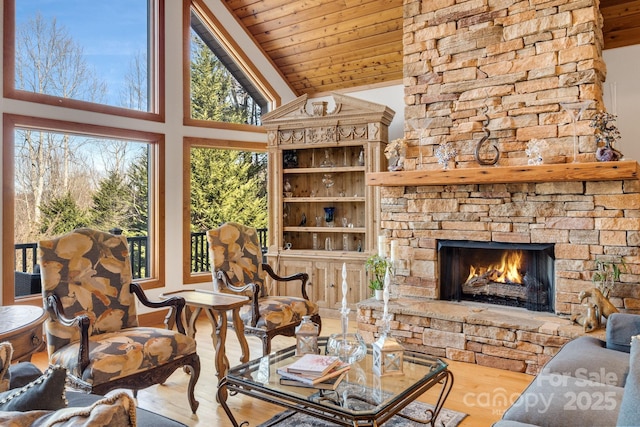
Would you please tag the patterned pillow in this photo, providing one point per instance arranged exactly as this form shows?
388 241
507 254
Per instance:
116 410
6 351
46 392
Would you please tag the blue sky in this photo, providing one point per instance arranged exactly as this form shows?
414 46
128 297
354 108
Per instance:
111 32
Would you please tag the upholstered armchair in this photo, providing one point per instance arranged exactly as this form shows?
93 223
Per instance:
93 327
237 267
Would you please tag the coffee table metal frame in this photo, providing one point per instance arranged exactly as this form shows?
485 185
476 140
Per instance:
317 403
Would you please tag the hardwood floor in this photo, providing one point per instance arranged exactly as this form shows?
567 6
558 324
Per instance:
483 393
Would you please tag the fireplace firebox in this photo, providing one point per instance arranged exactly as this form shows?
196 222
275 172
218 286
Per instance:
512 274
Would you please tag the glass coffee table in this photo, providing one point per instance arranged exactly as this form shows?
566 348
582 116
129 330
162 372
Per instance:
361 399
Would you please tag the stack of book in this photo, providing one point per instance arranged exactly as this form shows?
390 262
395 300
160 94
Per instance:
314 370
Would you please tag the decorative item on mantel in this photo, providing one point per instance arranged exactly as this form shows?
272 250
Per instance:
606 132
484 161
388 354
445 153
396 152
533 151
575 110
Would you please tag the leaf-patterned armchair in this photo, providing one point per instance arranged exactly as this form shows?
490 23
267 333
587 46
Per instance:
93 326
237 267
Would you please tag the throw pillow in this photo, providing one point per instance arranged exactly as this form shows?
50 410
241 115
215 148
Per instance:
6 351
118 409
21 374
46 393
629 414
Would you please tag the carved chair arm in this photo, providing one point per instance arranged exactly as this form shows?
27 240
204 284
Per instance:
303 277
82 322
253 288
176 306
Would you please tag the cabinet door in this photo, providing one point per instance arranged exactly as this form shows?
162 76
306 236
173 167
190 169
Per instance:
356 284
288 267
322 281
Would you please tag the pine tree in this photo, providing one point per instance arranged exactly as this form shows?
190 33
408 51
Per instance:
225 187
61 215
111 203
138 178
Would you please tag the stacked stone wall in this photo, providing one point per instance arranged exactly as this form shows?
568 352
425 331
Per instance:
505 64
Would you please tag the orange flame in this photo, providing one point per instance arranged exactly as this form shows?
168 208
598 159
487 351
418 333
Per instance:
507 270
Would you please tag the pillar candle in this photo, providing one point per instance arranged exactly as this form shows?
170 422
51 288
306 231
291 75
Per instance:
394 251
381 243
385 294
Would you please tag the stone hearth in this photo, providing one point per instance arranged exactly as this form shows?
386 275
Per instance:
501 337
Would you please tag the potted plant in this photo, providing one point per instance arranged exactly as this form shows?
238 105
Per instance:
377 267
607 273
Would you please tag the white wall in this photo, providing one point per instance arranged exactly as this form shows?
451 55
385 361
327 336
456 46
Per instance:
391 96
622 96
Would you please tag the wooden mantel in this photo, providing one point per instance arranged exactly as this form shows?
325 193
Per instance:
593 171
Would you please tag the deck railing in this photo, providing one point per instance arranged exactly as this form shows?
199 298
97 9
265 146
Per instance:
26 256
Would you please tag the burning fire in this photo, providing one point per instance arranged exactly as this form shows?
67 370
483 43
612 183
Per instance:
507 271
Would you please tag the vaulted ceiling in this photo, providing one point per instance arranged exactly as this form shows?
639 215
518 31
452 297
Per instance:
326 45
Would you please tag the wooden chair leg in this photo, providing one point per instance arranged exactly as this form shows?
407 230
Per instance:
194 370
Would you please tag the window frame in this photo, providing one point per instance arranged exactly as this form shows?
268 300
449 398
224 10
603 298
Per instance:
188 143
234 51
156 191
156 76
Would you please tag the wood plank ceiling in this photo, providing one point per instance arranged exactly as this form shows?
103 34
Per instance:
326 45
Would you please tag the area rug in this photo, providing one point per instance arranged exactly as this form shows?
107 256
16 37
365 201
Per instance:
446 418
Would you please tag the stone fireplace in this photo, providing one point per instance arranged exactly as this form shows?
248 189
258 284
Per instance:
481 78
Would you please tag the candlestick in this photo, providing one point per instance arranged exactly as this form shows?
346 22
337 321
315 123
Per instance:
344 286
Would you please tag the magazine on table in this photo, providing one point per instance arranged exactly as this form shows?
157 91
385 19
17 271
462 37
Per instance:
312 380
315 365
330 384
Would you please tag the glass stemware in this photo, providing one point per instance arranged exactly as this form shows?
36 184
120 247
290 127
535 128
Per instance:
575 110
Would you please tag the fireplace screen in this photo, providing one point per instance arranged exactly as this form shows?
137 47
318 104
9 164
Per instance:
519 275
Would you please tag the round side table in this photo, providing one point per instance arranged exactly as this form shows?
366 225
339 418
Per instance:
21 325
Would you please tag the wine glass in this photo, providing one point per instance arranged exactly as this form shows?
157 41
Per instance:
327 180
575 110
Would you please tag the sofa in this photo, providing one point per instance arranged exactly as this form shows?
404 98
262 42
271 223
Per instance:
30 397
589 382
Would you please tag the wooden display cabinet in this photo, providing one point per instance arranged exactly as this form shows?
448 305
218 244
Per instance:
319 160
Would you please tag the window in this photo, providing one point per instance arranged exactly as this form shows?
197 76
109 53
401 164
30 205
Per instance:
87 55
222 85
222 185
65 176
